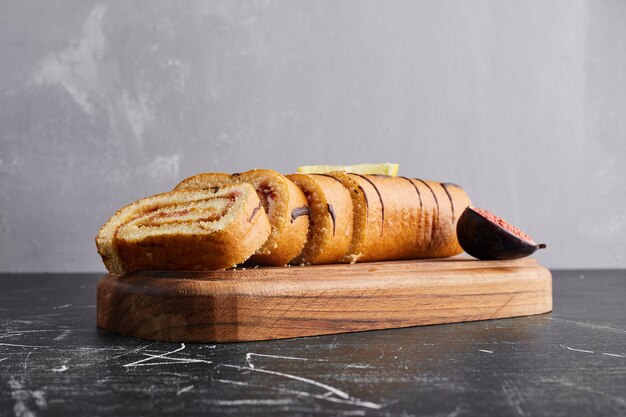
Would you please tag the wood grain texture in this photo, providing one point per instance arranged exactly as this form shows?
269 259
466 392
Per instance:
285 302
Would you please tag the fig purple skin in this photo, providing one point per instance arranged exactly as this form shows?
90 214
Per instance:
485 236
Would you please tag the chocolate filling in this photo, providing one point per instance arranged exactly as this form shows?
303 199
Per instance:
380 197
445 188
254 212
331 211
299 211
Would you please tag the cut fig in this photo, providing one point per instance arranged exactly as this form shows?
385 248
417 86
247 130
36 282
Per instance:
486 236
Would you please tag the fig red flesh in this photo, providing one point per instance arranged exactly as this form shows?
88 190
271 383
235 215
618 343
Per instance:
486 236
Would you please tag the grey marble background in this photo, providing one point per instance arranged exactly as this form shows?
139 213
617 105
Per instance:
523 103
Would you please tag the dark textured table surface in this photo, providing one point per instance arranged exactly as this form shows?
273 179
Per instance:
571 362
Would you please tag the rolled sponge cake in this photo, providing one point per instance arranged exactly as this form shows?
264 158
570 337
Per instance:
216 221
285 204
330 219
402 218
185 230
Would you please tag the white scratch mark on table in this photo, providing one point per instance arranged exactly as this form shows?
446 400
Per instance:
589 325
358 366
326 397
63 335
17 333
29 346
382 353
133 351
352 413
329 398
63 368
187 388
577 350
163 355
345 398
253 401
330 395
25 361
249 356
230 381
613 354
172 360
168 360
45 315
485 350
334 390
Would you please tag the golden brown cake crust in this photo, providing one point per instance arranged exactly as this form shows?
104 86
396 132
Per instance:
355 218
402 218
330 223
288 234
290 221
246 229
205 181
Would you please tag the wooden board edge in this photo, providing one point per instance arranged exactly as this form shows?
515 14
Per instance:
229 314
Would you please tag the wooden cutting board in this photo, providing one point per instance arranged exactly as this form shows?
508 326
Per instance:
282 302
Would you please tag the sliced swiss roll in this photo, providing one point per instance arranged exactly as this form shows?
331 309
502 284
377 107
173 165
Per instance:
330 219
185 230
402 218
285 205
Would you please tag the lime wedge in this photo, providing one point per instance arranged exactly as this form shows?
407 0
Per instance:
381 169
